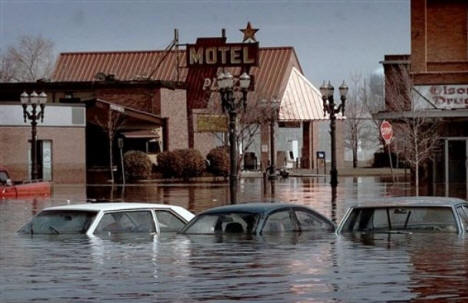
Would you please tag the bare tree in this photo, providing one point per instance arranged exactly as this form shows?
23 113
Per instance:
416 134
111 126
374 102
7 73
360 130
30 59
354 116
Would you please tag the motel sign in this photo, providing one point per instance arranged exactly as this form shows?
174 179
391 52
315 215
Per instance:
218 53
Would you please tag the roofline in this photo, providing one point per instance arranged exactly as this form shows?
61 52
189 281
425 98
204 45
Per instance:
121 51
297 60
92 84
387 62
160 51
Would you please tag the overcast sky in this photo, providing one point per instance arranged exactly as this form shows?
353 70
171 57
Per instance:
333 39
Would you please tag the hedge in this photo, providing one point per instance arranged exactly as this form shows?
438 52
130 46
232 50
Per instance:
137 165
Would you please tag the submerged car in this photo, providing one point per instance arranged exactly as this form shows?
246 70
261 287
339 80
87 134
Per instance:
407 215
104 218
257 219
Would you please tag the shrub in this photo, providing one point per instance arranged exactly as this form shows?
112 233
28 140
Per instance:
137 165
170 164
193 163
219 161
182 163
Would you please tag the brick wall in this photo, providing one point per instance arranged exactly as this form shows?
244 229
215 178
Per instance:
446 30
174 107
439 46
137 98
68 152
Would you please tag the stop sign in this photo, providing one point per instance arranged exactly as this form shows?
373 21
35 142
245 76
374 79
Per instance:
386 131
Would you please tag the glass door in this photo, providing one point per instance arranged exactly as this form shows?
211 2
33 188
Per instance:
46 160
457 168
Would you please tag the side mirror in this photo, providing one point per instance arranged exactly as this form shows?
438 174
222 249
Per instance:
8 182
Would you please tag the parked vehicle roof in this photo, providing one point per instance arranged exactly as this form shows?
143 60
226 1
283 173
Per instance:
411 201
251 207
121 206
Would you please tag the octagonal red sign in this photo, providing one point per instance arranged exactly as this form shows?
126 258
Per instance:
386 131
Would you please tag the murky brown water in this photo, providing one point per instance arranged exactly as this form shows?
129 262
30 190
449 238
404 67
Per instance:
290 268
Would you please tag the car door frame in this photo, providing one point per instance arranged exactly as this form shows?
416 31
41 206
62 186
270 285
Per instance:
101 214
461 226
291 215
315 213
170 210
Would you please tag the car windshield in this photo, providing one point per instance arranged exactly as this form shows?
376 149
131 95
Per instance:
59 222
388 219
224 222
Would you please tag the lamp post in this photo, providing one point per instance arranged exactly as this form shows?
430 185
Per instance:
33 100
232 105
329 107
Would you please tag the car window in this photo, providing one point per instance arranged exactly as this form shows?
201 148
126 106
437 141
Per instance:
60 222
126 222
463 213
401 218
168 221
223 223
279 221
309 221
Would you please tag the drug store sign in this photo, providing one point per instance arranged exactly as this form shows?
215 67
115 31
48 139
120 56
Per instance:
442 96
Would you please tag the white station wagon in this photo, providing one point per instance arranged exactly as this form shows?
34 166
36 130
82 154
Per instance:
105 218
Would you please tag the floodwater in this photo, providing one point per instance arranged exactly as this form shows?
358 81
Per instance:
171 267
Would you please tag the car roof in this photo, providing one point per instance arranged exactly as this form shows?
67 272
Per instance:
112 206
410 201
251 207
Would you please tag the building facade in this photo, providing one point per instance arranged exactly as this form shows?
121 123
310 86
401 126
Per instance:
152 101
436 87
279 76
61 143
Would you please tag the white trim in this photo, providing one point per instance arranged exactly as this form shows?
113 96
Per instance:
461 113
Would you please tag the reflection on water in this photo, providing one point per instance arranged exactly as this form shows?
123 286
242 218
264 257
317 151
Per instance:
311 191
171 267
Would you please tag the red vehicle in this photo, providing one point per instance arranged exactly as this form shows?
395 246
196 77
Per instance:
9 190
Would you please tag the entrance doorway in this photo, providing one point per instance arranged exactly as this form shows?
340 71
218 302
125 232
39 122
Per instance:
456 168
44 159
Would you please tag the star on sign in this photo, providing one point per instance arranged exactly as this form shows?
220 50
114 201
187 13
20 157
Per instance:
249 33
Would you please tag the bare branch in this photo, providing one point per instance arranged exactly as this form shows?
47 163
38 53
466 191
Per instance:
416 135
31 59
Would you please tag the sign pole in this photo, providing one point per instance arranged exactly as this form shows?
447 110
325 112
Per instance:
391 162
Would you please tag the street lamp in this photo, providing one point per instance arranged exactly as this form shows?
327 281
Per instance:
273 107
329 107
33 115
232 105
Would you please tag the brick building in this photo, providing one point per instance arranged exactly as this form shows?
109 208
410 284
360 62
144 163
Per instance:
279 76
438 76
61 148
160 104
